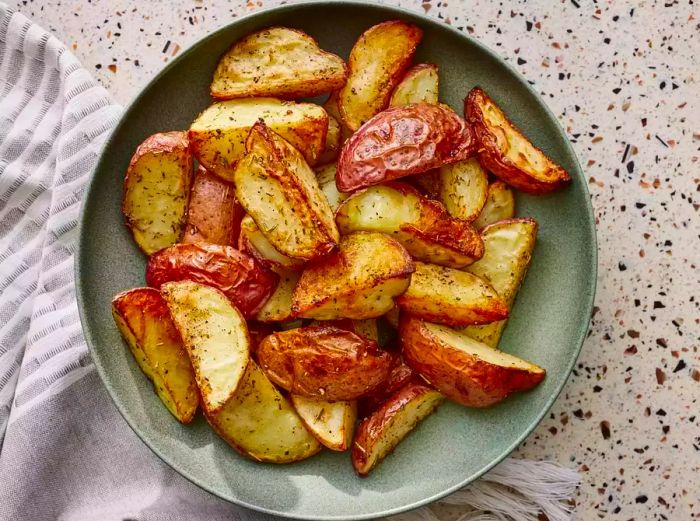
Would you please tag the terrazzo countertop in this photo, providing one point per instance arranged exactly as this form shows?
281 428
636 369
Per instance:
623 80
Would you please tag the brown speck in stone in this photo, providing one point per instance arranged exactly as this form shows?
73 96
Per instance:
662 342
660 376
632 350
553 430
584 468
564 419
605 429
632 333
112 68
695 375
578 413
647 411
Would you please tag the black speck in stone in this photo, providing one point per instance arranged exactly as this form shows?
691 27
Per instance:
658 304
661 412
562 75
621 266
617 90
578 413
680 366
641 499
640 205
521 61
637 302
666 429
606 40
662 85
528 25
630 167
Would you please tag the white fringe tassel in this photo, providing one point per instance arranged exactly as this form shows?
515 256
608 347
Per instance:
515 490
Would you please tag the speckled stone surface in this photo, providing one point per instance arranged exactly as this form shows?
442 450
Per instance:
624 81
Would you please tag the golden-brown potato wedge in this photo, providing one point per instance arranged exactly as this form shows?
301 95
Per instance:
508 251
214 215
157 189
452 297
402 141
506 152
331 423
324 362
260 423
464 188
377 63
334 141
218 135
240 277
420 84
331 107
215 335
279 62
358 281
326 181
278 307
280 192
463 369
500 205
144 321
254 243
378 434
422 225
398 377
365 328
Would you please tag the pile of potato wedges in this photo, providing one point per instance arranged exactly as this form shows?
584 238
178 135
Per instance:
327 275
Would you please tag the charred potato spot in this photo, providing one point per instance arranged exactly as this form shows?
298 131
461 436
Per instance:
280 192
377 62
157 190
280 62
144 321
218 135
506 152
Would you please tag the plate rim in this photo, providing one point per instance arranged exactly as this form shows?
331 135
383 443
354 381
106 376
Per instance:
399 12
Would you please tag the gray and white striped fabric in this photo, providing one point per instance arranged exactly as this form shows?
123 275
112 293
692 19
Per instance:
65 451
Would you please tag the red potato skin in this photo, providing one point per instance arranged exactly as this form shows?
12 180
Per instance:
402 141
160 143
214 214
492 159
240 277
149 304
400 374
371 427
464 379
324 362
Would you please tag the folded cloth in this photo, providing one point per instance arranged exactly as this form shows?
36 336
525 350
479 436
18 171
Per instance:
66 452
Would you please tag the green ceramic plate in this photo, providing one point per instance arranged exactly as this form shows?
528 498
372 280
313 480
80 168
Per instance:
451 448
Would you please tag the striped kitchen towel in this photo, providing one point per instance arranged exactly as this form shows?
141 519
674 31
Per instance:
66 453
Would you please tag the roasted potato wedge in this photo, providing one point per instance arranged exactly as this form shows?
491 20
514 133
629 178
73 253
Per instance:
334 141
378 434
331 423
399 375
331 107
278 307
218 135
402 141
157 190
237 275
422 225
254 243
279 62
358 281
506 152
420 84
326 181
324 362
464 369
452 297
500 205
280 192
260 423
464 188
377 63
215 335
365 328
508 251
214 215
143 319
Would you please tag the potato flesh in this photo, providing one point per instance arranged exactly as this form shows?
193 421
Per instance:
377 61
508 248
259 422
256 244
278 307
334 141
219 134
280 192
280 62
155 200
360 281
215 335
144 321
331 423
326 181
500 205
450 296
464 188
419 85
